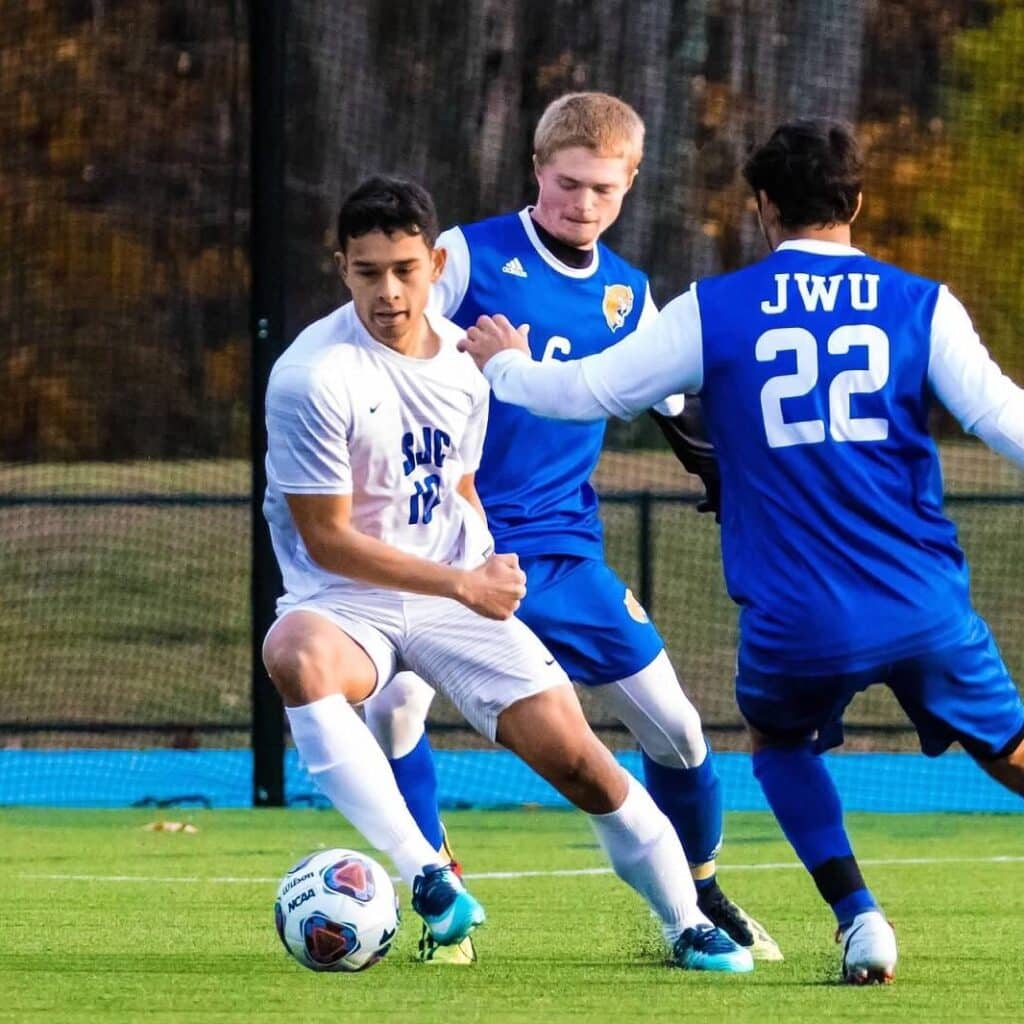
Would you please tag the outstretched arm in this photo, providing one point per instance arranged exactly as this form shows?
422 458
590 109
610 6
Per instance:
624 380
970 385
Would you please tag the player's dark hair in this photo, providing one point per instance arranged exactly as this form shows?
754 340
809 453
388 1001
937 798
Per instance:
811 170
387 204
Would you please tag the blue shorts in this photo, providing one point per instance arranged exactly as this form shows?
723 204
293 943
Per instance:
961 693
588 618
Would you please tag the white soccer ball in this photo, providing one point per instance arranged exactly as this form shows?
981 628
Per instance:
337 910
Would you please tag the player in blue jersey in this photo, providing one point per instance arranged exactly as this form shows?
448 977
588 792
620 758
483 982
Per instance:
817 367
546 264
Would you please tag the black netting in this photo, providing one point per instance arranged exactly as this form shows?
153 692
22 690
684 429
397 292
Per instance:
124 222
124 488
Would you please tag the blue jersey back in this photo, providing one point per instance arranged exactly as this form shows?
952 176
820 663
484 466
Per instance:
534 474
816 395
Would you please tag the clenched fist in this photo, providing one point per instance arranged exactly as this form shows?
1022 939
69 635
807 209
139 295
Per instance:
493 589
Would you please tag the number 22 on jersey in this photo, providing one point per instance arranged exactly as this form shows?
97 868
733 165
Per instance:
842 425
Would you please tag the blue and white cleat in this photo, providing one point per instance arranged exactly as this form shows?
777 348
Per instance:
706 948
450 911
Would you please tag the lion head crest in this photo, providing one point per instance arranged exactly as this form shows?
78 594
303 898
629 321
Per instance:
617 304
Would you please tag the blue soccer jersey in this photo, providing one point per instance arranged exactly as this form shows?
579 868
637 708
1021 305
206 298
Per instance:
816 367
834 539
534 473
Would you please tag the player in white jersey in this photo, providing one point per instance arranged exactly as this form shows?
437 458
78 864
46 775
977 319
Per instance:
375 425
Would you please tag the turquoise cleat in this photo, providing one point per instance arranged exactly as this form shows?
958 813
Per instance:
440 898
706 948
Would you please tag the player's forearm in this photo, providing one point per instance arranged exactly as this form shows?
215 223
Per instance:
970 384
1003 429
347 552
554 389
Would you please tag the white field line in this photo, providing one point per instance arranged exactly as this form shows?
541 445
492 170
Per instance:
489 875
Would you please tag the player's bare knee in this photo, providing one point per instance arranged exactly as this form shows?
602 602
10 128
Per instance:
298 669
306 665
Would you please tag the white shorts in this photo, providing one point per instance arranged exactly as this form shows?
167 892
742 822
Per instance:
482 666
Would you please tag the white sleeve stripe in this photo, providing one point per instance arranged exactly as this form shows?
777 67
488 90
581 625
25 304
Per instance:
650 308
450 289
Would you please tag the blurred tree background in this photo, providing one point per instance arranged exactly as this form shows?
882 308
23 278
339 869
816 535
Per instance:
124 151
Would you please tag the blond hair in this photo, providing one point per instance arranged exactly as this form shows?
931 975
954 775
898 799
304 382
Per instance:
594 120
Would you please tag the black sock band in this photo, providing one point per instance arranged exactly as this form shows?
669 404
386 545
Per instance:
838 877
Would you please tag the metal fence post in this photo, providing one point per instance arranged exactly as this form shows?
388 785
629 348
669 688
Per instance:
267 34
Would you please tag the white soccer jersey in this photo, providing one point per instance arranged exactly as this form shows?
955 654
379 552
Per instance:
347 415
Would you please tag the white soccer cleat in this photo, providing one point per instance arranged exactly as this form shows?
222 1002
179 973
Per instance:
869 949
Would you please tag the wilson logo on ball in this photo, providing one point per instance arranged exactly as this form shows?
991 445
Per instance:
351 877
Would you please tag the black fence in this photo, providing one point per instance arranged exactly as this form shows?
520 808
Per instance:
169 174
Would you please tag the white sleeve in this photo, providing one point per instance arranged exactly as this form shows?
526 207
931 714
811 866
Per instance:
307 434
448 291
476 429
673 405
661 359
650 311
970 385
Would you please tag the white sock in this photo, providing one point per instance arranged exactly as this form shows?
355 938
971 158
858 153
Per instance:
351 770
647 855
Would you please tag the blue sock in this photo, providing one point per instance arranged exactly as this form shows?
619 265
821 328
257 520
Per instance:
691 798
417 782
806 804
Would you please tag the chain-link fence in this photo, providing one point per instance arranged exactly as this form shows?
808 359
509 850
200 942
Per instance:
124 282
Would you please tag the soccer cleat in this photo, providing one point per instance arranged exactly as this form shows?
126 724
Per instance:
706 948
450 912
869 949
432 952
737 924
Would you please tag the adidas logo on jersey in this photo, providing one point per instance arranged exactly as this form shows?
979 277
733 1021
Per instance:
514 267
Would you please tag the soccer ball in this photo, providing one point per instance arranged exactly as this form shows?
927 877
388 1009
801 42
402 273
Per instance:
337 910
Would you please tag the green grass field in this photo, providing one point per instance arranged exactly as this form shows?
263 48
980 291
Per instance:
105 922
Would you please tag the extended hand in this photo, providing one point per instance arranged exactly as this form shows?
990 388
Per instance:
492 335
495 588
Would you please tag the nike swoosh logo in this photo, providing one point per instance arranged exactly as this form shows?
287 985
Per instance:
849 938
551 662
442 925
374 408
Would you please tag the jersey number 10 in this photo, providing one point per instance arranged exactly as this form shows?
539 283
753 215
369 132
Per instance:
426 498
843 426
